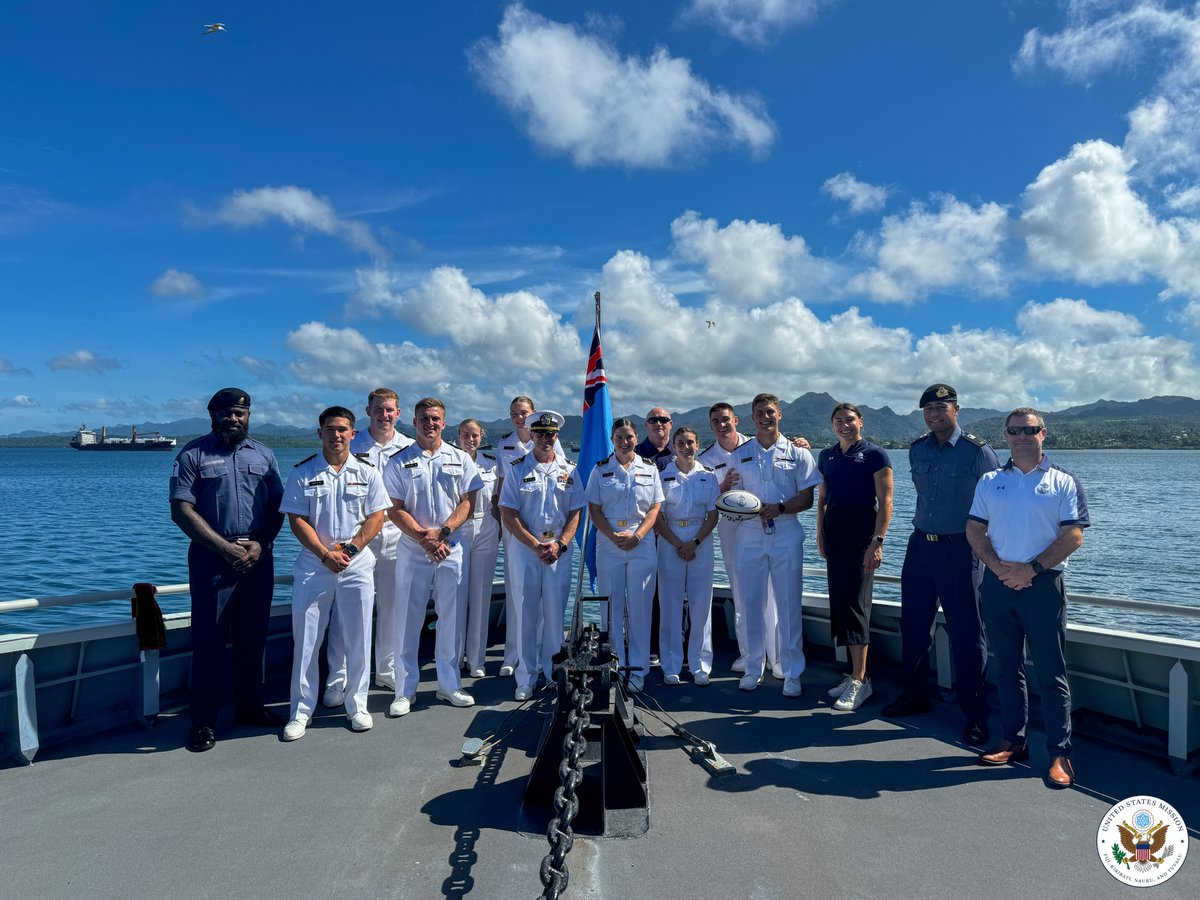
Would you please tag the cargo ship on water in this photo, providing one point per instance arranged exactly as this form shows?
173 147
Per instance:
89 440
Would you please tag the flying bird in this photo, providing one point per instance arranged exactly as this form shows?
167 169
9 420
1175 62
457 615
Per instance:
213 28
710 322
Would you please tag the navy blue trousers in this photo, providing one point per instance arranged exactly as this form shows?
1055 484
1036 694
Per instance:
933 571
227 605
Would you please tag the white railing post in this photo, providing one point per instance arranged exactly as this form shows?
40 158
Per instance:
25 696
148 682
1179 703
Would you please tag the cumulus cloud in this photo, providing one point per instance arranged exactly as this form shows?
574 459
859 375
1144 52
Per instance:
1083 218
18 401
756 22
174 283
956 246
7 368
265 370
576 95
83 361
860 196
301 210
746 262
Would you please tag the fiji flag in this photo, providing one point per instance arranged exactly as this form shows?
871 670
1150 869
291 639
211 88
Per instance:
597 437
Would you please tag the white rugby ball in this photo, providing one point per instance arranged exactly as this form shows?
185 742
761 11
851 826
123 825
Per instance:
738 506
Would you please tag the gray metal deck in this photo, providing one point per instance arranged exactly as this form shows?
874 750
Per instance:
823 804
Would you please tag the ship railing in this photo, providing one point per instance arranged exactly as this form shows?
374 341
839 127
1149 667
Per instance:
1149 681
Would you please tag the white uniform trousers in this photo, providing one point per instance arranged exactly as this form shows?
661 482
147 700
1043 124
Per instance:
416 576
315 593
727 532
627 578
772 563
512 609
481 544
385 618
694 580
543 591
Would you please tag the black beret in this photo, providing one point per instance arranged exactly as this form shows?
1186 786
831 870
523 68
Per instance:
939 393
227 397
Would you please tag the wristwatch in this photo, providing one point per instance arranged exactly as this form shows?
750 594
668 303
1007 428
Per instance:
350 549
446 532
782 508
879 538
1037 567
562 548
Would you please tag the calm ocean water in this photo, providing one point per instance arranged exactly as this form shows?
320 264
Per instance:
76 522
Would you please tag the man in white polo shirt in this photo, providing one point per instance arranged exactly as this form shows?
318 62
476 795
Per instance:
1028 516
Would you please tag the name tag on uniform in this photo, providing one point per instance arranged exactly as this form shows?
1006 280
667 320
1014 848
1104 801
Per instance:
411 465
719 466
606 474
746 459
529 478
311 483
669 478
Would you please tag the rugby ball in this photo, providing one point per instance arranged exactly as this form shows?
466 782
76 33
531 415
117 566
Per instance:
738 506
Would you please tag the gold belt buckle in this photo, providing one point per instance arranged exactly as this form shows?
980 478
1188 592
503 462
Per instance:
622 522
931 537
547 534
683 523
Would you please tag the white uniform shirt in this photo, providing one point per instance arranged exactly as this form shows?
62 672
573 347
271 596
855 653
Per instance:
334 503
489 471
543 494
624 495
719 459
511 448
687 499
430 484
774 474
384 543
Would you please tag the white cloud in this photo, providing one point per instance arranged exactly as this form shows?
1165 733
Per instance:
860 196
8 368
300 209
755 22
18 401
265 370
576 95
174 283
747 262
954 247
83 361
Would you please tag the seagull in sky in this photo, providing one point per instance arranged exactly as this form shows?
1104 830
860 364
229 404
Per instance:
213 28
710 322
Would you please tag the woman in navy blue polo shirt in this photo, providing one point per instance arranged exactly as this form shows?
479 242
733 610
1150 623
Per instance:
854 507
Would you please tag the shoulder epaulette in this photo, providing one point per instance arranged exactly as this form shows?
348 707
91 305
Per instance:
488 456
303 461
648 461
520 459
569 462
397 451
977 441
364 457
705 468
603 462
921 438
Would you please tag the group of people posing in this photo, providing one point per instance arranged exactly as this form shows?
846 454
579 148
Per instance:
386 523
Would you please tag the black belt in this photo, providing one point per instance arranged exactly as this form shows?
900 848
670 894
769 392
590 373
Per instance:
939 538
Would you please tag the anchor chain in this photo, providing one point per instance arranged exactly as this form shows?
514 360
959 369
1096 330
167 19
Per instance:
553 872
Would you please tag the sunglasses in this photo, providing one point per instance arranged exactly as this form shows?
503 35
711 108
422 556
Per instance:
1025 429
657 420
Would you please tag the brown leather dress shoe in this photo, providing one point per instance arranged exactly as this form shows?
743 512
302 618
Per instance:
1061 774
1006 753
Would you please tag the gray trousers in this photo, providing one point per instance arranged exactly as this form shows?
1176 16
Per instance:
1037 615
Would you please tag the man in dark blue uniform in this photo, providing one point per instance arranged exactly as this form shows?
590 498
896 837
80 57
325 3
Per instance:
225 495
946 464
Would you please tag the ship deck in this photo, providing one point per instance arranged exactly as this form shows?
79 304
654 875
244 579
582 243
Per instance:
823 804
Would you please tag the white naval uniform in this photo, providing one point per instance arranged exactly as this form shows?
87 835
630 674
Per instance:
773 474
511 448
481 544
627 576
687 500
430 485
335 504
384 547
720 460
543 496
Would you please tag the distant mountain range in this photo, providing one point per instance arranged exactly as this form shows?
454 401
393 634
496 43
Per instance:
1154 423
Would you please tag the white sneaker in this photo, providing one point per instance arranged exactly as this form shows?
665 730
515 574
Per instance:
747 683
855 695
334 697
777 671
701 678
361 721
400 707
654 659
388 682
840 688
523 693
456 698
739 665
478 673
792 687
671 679
507 670
294 730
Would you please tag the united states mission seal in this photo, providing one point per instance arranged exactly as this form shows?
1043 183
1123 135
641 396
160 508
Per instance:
1142 841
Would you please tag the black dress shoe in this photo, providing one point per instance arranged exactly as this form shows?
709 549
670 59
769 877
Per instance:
261 718
203 738
975 734
906 705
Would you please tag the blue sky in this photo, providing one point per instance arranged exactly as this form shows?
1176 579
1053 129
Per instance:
863 197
